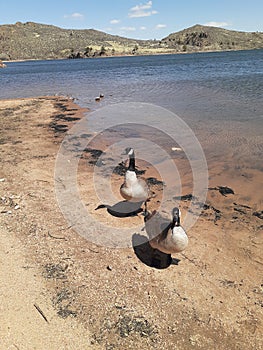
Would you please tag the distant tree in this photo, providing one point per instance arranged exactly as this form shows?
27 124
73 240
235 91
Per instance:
113 51
102 51
135 49
88 51
71 55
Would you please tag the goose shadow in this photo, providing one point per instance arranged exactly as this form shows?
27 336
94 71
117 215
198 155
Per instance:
123 209
150 256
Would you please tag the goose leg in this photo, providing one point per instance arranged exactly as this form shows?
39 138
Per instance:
145 207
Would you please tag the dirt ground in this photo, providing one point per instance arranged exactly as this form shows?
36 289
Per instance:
61 291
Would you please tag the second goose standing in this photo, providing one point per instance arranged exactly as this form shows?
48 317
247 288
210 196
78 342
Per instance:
170 239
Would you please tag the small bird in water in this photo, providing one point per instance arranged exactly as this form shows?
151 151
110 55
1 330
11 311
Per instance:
134 189
168 237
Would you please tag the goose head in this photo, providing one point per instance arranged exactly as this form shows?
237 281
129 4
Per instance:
176 213
129 151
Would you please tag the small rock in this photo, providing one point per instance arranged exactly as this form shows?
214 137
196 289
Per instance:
154 181
17 207
186 197
2 180
109 267
258 214
240 210
224 190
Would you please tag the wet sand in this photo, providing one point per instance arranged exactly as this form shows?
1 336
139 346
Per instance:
108 298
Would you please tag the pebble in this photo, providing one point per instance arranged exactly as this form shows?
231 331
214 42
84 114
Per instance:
2 180
109 267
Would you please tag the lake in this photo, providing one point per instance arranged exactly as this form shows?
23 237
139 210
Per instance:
219 95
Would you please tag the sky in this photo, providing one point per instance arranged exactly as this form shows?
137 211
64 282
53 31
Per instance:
138 19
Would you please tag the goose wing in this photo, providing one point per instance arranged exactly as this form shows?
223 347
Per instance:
157 226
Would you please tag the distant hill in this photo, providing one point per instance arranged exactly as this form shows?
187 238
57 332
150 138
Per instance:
23 41
204 38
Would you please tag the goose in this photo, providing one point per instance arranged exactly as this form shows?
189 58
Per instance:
133 189
168 236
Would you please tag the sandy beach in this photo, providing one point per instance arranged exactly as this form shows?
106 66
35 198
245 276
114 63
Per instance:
61 291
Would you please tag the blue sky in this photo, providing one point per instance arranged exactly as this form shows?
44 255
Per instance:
140 19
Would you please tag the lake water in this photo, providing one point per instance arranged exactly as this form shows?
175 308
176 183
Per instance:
219 95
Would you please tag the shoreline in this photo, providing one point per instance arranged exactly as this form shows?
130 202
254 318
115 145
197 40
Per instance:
212 298
130 55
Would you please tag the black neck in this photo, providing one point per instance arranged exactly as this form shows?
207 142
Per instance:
176 222
132 163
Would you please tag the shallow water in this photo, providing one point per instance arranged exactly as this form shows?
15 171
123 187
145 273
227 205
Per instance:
219 95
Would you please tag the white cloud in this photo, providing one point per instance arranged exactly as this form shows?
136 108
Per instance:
142 10
115 21
217 24
128 29
160 26
75 15
147 6
142 28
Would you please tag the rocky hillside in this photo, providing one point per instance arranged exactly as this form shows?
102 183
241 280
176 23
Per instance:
204 38
38 41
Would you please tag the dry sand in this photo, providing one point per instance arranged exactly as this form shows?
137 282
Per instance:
60 291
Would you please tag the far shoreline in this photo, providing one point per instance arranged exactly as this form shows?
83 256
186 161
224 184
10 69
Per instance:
128 55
